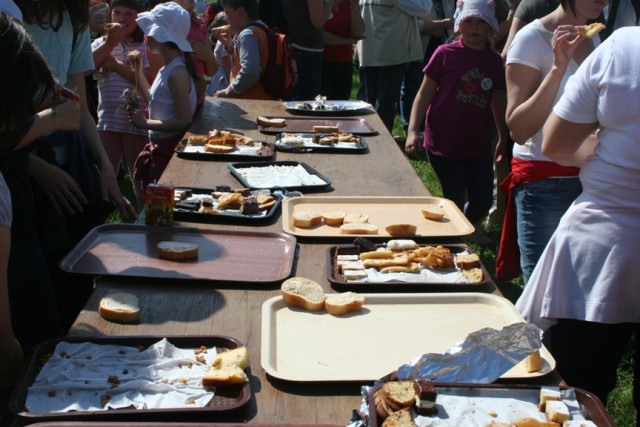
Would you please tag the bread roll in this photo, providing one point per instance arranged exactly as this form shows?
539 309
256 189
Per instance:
473 275
401 229
304 293
432 212
177 250
356 217
334 217
307 219
346 302
467 260
358 228
228 368
120 307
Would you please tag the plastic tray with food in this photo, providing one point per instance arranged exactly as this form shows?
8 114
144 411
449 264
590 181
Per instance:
166 377
222 204
321 106
402 265
490 405
224 145
289 175
356 125
132 250
344 143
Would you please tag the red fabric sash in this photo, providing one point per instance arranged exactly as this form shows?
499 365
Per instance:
522 172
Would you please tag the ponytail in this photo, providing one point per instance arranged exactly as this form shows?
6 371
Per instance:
191 66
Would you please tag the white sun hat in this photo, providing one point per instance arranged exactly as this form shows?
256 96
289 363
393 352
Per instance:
167 22
483 9
11 9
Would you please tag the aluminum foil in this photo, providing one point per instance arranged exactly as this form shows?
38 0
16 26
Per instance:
483 357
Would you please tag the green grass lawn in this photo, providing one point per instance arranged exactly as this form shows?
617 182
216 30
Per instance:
619 404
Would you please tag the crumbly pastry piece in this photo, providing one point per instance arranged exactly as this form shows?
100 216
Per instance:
380 254
434 256
401 229
533 362
473 275
218 148
230 201
228 368
326 129
557 411
435 213
334 217
344 303
307 219
382 409
401 418
590 31
197 140
547 394
398 394
467 260
271 122
177 250
354 274
358 228
304 293
120 307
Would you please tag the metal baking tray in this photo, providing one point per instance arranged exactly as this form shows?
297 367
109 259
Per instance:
323 184
359 147
261 150
225 215
520 399
390 331
355 125
339 282
224 255
331 107
167 424
382 211
224 401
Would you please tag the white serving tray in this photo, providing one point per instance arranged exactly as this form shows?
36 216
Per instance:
390 330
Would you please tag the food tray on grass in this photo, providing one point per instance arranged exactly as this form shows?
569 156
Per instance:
183 212
289 175
442 280
508 402
390 331
382 211
224 401
304 142
253 151
223 255
354 125
329 107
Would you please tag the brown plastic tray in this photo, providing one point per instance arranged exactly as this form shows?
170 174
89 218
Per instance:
223 402
398 285
305 124
224 255
261 151
591 407
382 211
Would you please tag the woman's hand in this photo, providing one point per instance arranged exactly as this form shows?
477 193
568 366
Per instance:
61 189
413 146
138 118
564 42
111 191
222 93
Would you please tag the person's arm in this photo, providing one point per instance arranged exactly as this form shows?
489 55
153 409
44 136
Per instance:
11 356
499 108
248 49
316 13
423 99
357 23
568 143
113 36
65 116
203 51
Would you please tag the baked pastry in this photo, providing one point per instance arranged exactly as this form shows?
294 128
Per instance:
230 201
358 228
473 275
401 229
426 395
547 394
533 362
557 411
120 307
304 293
467 260
197 140
398 394
346 302
228 368
326 128
334 217
273 122
250 205
400 418
435 213
590 31
218 148
434 256
177 250
307 219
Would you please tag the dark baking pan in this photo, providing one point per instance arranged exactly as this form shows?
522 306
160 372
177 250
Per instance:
224 401
355 125
223 255
336 278
358 147
260 150
224 215
279 182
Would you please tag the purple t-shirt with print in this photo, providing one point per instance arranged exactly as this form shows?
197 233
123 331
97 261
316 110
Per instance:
459 122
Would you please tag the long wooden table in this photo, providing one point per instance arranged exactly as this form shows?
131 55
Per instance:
193 308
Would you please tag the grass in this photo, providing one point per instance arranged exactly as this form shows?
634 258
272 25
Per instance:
619 403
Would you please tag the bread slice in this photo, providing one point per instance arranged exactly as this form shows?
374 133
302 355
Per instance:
435 213
346 302
219 148
334 217
401 229
382 409
304 293
120 307
533 362
177 250
307 219
358 217
274 122
467 260
398 394
400 418
358 228
557 411
547 394
473 275
228 368
326 128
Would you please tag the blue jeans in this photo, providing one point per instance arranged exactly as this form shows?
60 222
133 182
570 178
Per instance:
309 75
382 90
539 207
410 85
466 183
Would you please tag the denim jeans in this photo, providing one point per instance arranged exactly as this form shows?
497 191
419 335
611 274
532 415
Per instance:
382 90
539 207
309 75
